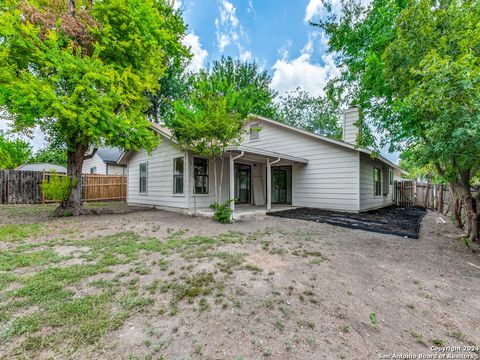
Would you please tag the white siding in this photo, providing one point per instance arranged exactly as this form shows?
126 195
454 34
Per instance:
368 200
331 178
116 169
159 178
97 162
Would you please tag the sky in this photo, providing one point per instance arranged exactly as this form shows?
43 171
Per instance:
274 33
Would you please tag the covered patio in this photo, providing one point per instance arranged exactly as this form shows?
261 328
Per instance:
260 181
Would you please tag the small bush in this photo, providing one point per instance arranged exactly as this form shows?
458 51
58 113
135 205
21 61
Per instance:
58 188
222 212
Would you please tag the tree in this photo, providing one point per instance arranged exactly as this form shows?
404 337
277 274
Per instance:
13 153
251 86
413 67
316 114
210 120
50 154
80 70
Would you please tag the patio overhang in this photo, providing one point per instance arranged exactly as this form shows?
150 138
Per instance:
265 154
258 155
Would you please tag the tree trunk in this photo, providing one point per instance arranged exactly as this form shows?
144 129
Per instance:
72 7
425 200
471 214
456 205
74 172
215 179
221 178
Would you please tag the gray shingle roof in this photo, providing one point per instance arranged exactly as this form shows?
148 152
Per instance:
109 155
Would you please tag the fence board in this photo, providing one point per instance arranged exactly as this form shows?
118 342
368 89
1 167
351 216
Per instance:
24 187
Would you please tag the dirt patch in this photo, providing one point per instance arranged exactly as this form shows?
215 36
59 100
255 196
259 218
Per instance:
288 289
390 220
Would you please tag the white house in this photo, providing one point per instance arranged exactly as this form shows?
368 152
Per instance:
105 162
279 164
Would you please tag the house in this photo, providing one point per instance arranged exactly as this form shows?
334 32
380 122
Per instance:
105 162
279 164
48 167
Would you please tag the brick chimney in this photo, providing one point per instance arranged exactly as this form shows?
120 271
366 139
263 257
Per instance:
350 131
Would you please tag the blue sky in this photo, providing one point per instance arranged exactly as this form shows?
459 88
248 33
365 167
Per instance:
276 34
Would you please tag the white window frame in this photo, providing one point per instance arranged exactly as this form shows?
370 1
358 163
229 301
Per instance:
174 175
375 169
140 178
207 175
254 134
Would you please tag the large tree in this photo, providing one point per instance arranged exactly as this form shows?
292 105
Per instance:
316 114
80 70
414 69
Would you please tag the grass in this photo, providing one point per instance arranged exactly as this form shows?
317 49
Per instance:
19 232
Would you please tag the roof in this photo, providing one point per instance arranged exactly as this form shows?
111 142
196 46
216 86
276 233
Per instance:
250 150
109 155
327 139
42 167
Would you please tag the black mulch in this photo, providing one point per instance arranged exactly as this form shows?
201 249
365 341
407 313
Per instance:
390 220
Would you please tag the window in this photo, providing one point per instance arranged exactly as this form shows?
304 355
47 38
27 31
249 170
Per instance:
200 171
93 170
377 181
178 170
390 176
143 178
254 131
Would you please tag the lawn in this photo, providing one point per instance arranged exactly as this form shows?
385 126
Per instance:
160 285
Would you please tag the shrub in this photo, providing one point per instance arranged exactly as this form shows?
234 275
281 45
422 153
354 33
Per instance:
222 212
57 188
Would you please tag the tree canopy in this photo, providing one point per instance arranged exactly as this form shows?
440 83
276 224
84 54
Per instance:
414 69
75 69
316 114
13 152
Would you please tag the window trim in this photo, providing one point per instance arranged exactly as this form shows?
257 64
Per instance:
254 125
140 178
195 176
174 176
375 169
391 177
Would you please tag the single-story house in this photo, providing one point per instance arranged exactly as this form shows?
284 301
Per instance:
105 162
47 167
279 164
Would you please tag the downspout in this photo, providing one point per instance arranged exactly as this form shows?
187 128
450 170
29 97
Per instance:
232 180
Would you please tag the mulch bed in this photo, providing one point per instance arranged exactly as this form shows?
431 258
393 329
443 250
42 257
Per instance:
390 220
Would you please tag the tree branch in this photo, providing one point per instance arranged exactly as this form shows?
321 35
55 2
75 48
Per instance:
91 155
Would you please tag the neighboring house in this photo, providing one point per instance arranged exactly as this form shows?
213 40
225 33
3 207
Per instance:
105 162
43 167
279 164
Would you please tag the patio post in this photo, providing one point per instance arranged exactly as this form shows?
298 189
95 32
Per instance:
269 182
232 180
269 185
232 185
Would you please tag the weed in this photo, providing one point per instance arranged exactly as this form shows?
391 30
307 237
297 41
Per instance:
457 334
418 337
18 232
288 344
203 305
267 352
345 329
437 342
373 319
279 324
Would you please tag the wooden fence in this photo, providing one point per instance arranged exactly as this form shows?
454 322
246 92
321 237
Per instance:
24 187
411 193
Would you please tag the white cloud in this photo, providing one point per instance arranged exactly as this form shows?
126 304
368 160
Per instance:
229 31
197 62
301 72
245 55
315 8
251 7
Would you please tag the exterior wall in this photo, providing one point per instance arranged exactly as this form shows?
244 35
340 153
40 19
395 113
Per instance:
331 178
115 169
97 162
368 200
159 177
